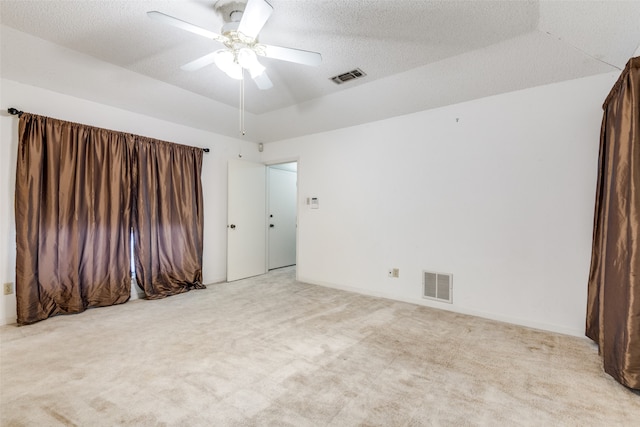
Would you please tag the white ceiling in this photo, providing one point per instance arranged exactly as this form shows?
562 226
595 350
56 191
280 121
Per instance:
417 55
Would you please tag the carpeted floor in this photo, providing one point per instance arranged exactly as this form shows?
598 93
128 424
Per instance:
272 351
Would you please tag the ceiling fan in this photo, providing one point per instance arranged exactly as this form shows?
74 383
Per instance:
241 47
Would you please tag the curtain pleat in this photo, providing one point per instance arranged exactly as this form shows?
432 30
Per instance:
73 218
168 218
80 192
613 304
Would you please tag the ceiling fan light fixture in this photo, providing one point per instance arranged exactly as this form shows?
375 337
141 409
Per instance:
243 21
235 72
225 60
256 71
247 59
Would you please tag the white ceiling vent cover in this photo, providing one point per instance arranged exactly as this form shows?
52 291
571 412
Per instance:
437 286
349 75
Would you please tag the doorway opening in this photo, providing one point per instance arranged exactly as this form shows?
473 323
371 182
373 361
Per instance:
282 214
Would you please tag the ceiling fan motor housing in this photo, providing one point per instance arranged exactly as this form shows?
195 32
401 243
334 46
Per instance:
230 10
230 27
243 21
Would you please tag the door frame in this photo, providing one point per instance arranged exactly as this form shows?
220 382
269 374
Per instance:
275 163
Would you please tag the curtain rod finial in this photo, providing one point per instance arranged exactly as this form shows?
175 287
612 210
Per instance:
14 112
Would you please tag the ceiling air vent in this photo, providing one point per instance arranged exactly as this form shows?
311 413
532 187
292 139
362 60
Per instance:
437 286
349 75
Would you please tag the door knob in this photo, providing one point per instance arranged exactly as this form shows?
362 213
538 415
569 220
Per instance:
232 226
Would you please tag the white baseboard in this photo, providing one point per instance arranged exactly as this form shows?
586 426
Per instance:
136 293
216 281
456 309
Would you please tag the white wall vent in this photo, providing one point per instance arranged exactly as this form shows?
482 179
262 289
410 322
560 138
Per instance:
349 75
437 286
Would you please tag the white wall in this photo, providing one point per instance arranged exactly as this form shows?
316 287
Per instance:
48 103
501 198
83 76
498 191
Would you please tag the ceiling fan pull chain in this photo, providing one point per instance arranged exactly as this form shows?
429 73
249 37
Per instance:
242 130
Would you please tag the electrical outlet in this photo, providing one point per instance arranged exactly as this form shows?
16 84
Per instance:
8 288
394 272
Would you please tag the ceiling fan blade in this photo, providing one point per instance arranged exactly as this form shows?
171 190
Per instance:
203 61
292 55
159 16
263 81
254 17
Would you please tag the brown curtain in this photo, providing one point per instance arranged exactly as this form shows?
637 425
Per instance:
613 307
168 218
73 218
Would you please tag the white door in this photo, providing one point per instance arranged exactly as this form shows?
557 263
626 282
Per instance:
246 225
282 216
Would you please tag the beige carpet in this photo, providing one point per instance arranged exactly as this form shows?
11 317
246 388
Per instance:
273 351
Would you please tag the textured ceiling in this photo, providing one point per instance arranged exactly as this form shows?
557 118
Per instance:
391 40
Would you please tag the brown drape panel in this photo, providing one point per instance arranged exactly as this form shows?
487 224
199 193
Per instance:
168 218
73 213
613 310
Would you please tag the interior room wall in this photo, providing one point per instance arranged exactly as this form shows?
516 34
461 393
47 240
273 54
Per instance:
44 102
86 77
499 192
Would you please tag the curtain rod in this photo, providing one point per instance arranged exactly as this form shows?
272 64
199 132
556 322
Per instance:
16 112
